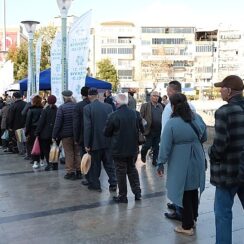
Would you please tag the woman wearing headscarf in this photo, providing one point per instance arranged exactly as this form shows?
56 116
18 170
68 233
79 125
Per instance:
181 148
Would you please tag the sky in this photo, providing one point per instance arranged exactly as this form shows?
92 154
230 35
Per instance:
205 13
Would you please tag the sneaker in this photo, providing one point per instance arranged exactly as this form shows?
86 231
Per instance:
97 189
85 183
70 176
179 229
171 206
55 166
35 165
42 163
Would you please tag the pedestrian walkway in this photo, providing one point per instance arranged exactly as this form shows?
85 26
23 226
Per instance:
42 207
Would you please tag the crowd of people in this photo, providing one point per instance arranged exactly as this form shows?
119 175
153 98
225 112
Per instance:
109 131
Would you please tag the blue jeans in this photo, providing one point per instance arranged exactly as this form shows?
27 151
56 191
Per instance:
224 199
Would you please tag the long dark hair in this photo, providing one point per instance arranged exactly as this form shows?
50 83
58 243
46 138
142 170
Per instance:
181 107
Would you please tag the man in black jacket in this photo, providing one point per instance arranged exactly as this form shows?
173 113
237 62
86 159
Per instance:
16 121
78 124
95 116
123 126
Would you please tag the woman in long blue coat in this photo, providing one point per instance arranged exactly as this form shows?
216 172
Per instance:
181 147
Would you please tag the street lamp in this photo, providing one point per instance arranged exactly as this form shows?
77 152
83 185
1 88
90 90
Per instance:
64 6
30 27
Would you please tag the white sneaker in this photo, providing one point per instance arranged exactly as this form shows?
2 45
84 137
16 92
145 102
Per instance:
42 163
35 165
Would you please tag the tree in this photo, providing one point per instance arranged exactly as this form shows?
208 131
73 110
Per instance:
107 71
19 55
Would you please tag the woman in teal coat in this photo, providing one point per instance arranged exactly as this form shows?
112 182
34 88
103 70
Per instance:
181 147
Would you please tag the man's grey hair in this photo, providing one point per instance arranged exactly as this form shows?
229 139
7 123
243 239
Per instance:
121 99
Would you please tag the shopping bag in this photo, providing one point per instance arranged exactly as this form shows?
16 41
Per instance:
5 135
54 153
36 150
85 163
20 135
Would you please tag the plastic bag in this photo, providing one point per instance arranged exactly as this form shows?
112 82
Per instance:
5 135
20 135
36 150
85 163
54 153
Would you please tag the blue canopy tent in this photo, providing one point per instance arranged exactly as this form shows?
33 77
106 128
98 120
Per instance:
45 82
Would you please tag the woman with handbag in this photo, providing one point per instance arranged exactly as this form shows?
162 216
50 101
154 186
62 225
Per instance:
45 128
181 149
32 119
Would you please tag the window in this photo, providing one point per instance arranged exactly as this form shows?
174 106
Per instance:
111 50
125 50
103 51
159 41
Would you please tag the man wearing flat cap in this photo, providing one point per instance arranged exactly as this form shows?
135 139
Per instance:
63 129
78 125
95 116
225 155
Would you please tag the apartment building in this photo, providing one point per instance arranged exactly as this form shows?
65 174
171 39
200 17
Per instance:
148 57
230 52
116 41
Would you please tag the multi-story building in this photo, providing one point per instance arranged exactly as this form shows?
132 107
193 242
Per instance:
206 59
14 36
230 52
115 41
167 53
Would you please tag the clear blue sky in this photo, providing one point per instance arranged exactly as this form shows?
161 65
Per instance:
163 12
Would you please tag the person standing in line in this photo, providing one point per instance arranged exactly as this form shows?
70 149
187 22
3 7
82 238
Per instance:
63 129
151 112
173 88
78 124
122 127
32 119
225 155
132 100
15 122
95 116
109 99
181 149
44 130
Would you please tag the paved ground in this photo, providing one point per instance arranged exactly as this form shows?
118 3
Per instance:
42 207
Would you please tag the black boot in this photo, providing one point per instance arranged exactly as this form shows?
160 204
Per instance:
48 167
55 166
78 175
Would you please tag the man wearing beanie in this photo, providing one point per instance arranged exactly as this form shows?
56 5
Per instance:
78 125
63 129
45 128
95 116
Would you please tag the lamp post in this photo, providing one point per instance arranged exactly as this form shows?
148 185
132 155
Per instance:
30 27
64 6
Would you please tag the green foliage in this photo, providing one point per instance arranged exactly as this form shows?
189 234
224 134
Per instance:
19 55
107 72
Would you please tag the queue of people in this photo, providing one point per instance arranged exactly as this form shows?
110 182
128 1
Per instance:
109 132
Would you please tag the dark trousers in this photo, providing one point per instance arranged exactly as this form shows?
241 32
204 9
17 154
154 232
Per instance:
98 156
152 140
190 209
45 145
126 166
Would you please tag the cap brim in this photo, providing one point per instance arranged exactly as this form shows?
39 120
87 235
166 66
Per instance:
218 84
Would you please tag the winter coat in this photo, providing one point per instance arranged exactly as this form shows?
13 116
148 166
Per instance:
32 119
181 149
4 121
46 123
122 126
15 118
63 127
